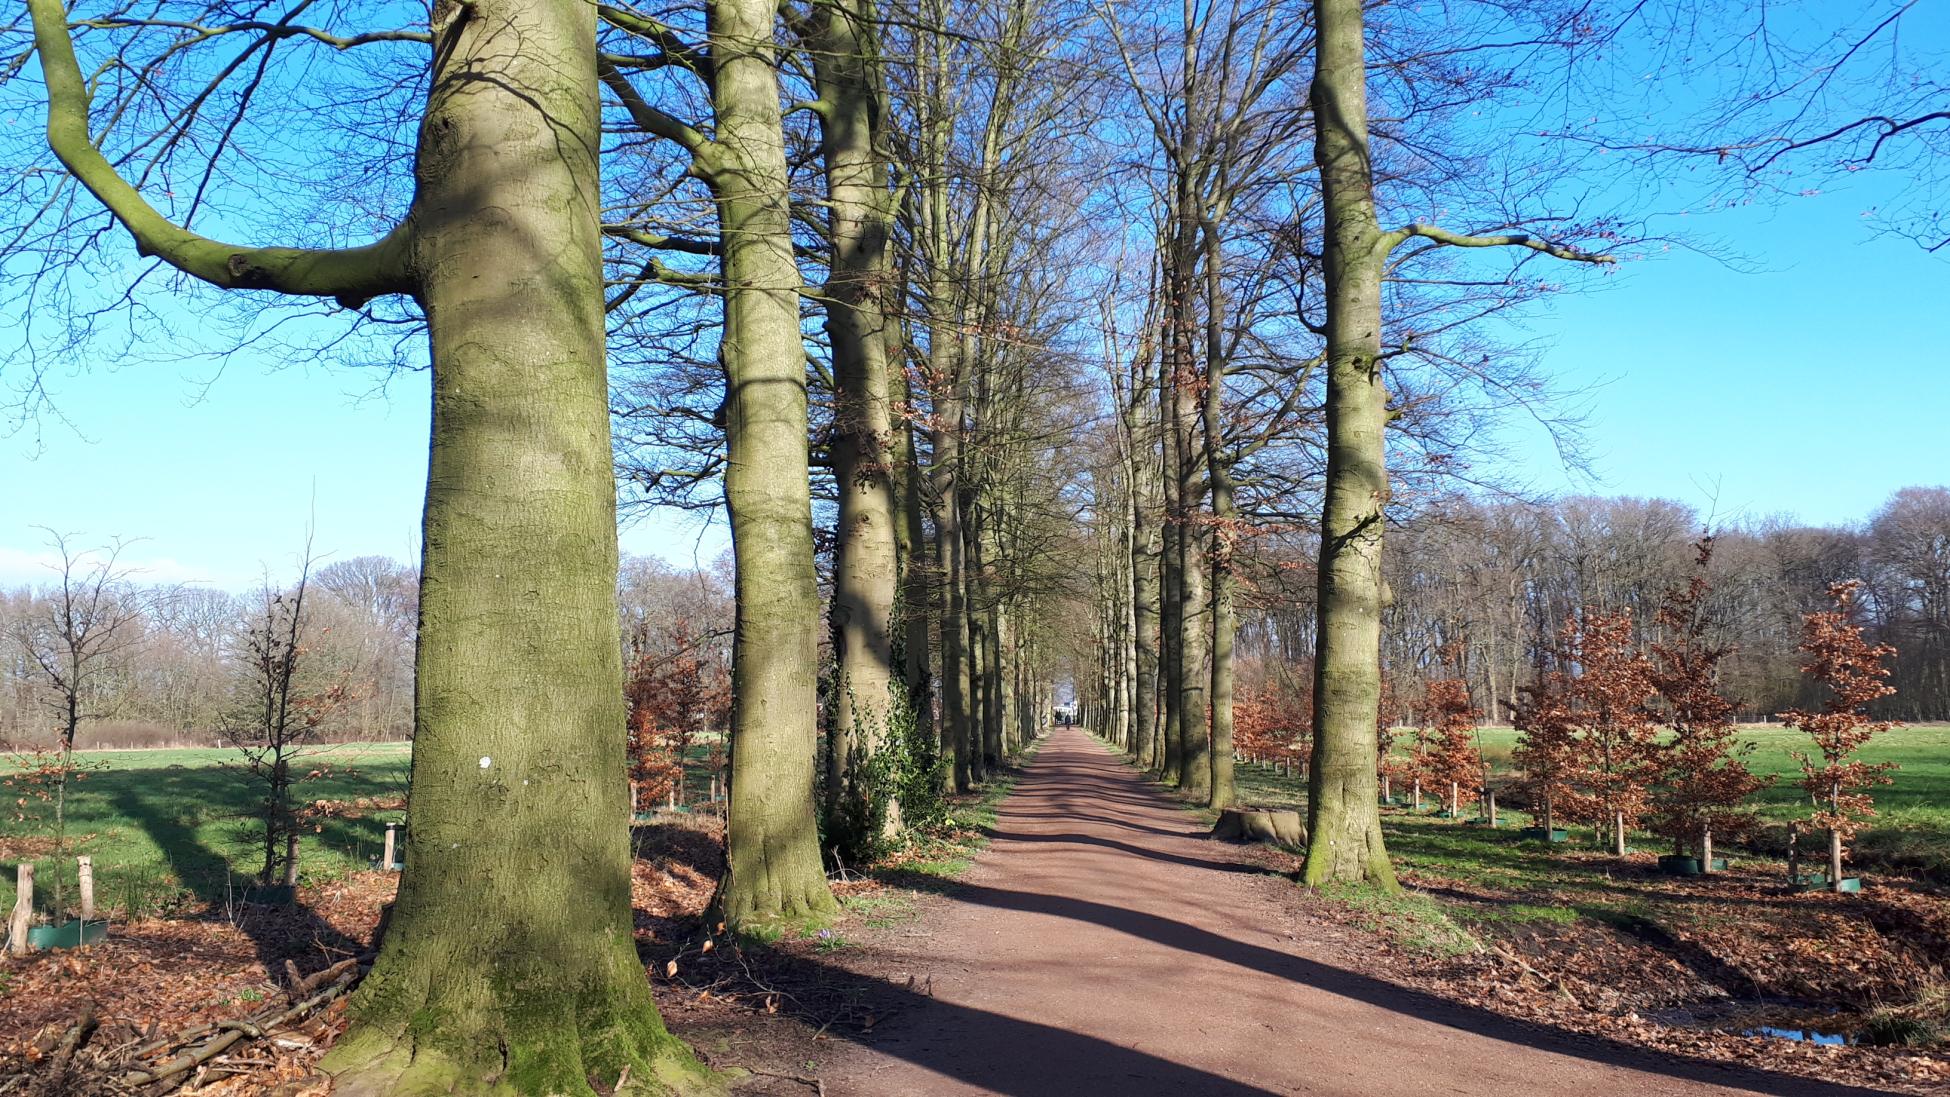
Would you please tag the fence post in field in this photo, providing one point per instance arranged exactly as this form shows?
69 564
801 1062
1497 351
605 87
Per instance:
84 870
23 910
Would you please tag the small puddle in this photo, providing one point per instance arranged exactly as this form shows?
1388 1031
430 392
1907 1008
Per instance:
1778 1020
1799 1035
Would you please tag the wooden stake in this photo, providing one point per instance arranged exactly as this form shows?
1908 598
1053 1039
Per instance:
1492 797
84 871
392 838
23 910
1455 800
1618 833
1706 849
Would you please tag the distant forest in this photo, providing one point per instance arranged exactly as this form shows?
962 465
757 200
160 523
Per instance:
1495 580
1498 579
180 679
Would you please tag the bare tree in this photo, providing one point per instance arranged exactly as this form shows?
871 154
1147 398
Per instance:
281 709
88 618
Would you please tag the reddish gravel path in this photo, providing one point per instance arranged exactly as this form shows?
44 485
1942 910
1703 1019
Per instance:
1101 945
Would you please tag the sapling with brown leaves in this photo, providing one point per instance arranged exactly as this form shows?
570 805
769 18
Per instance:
1856 674
1617 744
1452 758
1706 778
674 696
1546 749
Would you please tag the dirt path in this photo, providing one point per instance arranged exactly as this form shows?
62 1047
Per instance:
1102 945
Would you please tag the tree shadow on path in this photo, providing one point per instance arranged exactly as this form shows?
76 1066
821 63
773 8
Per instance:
1126 847
1403 1000
278 932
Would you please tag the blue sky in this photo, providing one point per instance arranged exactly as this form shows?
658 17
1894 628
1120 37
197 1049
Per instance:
1813 379
1809 378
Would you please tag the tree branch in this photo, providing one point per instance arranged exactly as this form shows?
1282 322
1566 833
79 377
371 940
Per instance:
350 275
655 122
1501 240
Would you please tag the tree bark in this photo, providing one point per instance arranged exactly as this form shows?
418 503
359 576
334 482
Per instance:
1343 818
509 958
847 75
773 867
1195 757
509 962
1171 635
1224 527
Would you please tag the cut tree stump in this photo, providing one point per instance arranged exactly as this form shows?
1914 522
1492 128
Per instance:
1269 825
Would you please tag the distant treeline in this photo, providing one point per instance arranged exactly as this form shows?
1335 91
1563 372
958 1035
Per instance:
177 679
1499 578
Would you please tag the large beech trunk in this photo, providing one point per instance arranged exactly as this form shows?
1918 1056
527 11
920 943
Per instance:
1219 469
772 846
1344 820
865 569
509 963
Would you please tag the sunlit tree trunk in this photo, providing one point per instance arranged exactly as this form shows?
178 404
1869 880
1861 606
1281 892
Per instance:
1183 461
774 869
859 217
1344 819
1171 605
1224 530
509 958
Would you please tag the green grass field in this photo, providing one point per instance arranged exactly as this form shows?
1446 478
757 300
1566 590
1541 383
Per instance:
1911 831
167 828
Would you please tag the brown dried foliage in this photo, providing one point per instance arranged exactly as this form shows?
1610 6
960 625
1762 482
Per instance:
1856 674
1706 778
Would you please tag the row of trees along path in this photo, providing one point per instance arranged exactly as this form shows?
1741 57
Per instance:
507 962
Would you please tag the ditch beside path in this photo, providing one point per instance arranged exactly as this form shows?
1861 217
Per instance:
1102 945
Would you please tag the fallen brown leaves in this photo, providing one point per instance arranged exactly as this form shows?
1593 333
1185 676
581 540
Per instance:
1688 966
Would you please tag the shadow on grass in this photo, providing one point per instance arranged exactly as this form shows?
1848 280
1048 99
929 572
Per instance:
172 806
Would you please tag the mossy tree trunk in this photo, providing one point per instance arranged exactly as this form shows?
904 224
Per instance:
946 368
1195 758
1225 527
859 218
1145 551
509 964
1344 818
910 540
773 865
1171 605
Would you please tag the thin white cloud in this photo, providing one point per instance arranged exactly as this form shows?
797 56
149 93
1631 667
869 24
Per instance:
39 566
